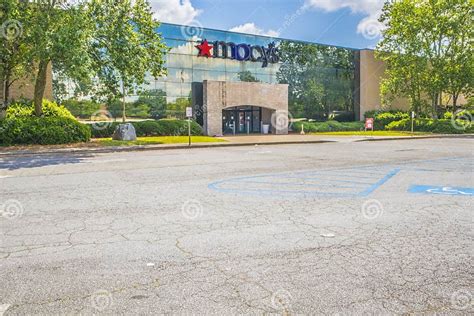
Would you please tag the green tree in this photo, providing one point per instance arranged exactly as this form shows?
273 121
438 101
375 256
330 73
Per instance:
14 49
320 78
156 102
178 108
58 32
114 106
458 66
125 46
427 46
246 76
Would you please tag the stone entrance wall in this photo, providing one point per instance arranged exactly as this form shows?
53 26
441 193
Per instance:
220 95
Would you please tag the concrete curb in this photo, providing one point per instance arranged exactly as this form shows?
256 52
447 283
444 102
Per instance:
113 149
416 137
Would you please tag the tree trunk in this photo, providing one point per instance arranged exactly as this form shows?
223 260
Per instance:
4 99
40 86
123 103
434 101
455 101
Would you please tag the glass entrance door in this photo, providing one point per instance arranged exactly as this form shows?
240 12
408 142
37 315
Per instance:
241 120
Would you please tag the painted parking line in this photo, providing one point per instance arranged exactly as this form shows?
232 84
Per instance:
446 190
3 308
342 183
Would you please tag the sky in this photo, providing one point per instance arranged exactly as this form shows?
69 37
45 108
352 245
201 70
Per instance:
347 23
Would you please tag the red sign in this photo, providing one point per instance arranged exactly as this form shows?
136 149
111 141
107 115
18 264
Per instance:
369 123
204 49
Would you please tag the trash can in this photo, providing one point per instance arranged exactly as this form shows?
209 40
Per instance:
265 128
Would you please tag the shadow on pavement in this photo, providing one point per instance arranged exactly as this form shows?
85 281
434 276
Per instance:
35 161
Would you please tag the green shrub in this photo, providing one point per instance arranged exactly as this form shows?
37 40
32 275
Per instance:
466 114
373 113
179 127
42 130
148 128
342 116
27 109
384 117
447 115
329 126
163 127
428 125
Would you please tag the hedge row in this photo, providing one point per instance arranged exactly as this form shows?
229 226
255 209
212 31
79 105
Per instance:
433 126
163 127
328 126
27 109
42 130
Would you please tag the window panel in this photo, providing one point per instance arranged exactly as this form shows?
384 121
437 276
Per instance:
174 89
179 75
179 61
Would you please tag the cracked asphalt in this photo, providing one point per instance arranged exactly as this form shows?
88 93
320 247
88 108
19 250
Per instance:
288 229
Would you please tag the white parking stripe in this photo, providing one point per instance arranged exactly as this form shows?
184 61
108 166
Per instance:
3 308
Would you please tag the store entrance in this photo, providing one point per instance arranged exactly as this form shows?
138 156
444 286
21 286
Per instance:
242 120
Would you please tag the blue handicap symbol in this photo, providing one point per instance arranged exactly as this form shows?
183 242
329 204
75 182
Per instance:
446 190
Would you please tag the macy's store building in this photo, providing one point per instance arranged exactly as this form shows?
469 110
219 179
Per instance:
242 83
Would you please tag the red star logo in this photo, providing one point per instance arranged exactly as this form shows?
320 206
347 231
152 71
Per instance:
204 49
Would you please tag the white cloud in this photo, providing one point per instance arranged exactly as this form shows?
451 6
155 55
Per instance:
251 28
174 11
369 26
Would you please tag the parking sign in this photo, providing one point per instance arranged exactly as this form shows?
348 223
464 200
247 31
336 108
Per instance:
189 111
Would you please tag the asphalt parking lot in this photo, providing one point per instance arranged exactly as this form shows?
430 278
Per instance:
349 228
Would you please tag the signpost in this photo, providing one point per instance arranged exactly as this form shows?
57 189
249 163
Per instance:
189 115
369 123
412 120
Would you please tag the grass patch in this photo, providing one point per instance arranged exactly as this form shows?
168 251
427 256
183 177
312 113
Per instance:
157 140
370 133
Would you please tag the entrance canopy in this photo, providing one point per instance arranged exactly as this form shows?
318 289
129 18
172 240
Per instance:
221 98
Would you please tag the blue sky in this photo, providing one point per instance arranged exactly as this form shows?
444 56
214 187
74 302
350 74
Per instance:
349 23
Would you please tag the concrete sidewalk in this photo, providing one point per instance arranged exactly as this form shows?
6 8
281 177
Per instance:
246 140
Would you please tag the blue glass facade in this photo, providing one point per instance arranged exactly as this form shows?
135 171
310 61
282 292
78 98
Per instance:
321 78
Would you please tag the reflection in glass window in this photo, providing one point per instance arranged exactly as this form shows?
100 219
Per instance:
174 89
171 31
179 75
176 107
213 35
180 46
206 63
179 61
